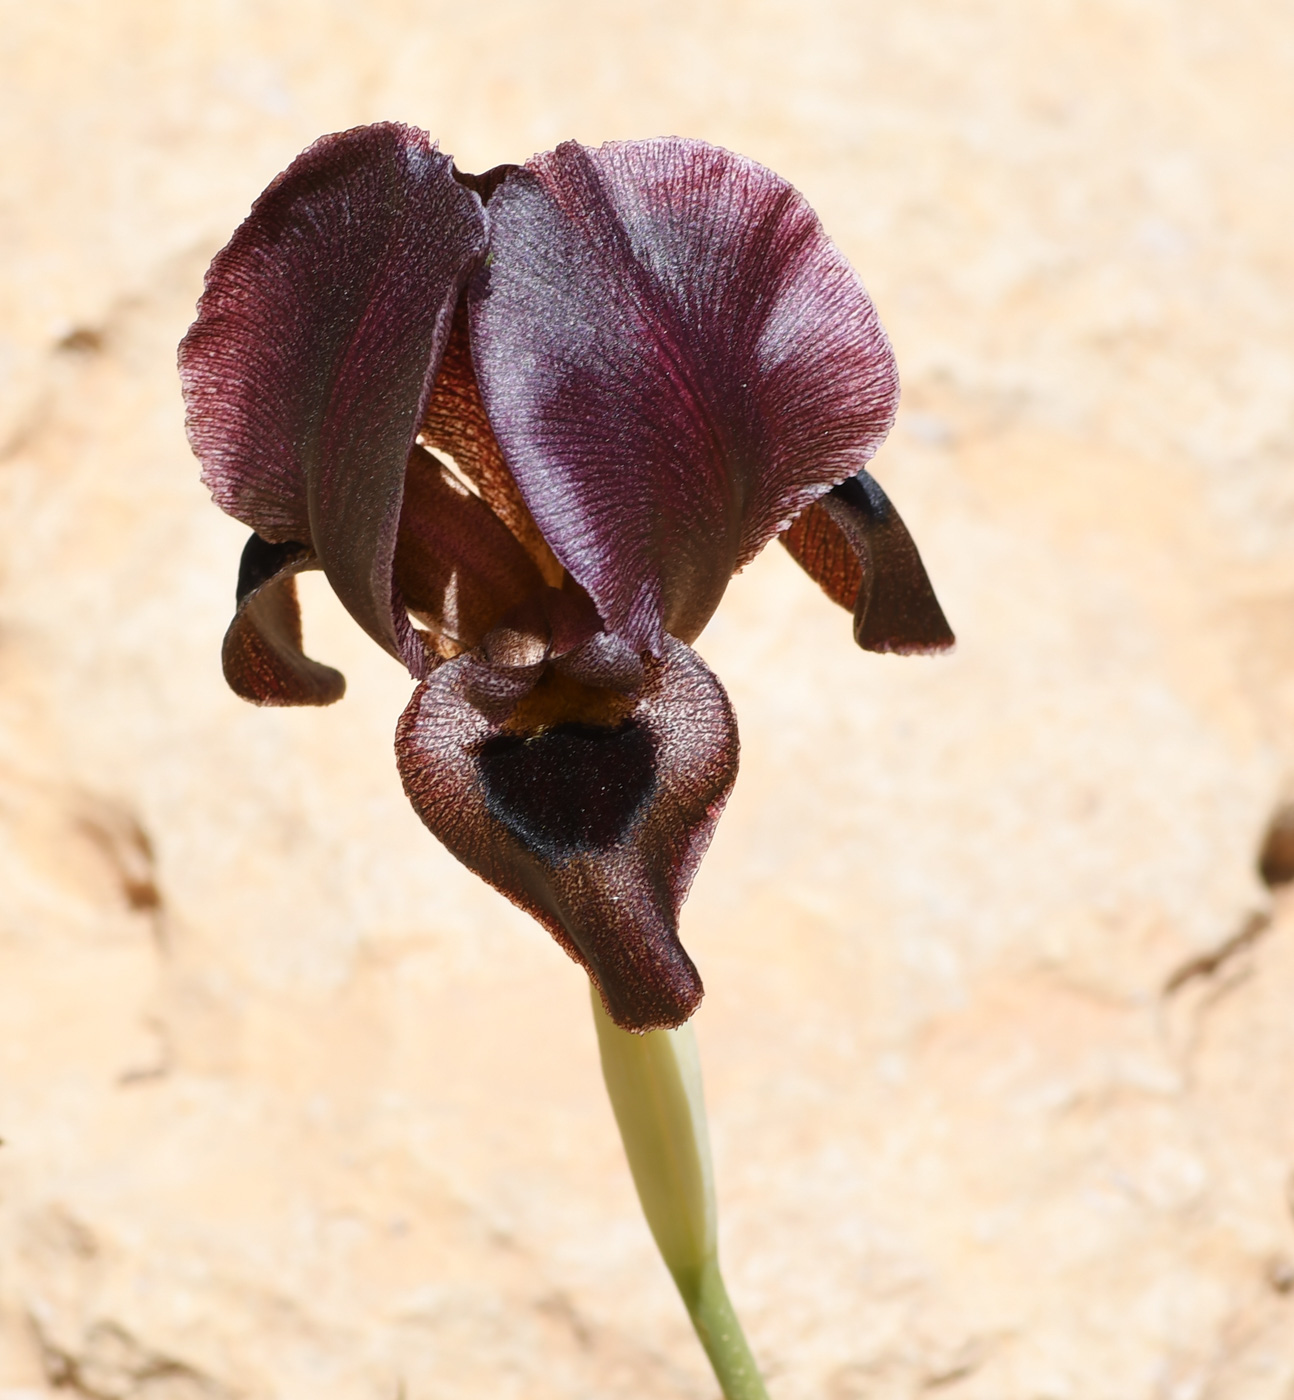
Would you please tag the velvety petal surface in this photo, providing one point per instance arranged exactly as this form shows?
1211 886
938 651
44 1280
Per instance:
262 657
308 368
854 544
676 361
594 829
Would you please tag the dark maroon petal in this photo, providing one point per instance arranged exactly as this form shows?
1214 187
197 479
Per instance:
676 361
595 830
310 363
262 655
854 544
455 423
495 690
458 567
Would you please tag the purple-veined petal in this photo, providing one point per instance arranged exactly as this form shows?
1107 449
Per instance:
853 543
458 567
262 657
310 363
595 830
676 361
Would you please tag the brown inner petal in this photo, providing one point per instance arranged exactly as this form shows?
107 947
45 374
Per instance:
458 567
826 553
855 545
541 657
557 699
455 423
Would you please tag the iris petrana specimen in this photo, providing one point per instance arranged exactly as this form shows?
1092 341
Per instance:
529 423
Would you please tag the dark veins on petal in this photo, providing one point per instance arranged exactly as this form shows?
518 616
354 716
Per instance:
310 362
676 361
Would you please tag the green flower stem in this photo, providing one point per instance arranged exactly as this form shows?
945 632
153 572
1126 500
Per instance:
654 1082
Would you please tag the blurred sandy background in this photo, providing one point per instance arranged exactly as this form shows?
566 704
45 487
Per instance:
999 1036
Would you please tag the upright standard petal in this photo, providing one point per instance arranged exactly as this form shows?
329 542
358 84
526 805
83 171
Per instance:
853 543
596 829
676 361
309 366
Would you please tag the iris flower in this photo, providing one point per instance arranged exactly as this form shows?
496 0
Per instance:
529 424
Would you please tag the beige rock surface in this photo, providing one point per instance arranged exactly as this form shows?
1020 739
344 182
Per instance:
999 1041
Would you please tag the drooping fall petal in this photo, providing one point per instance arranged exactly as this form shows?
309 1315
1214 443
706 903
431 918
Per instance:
262 657
594 829
676 361
309 366
853 543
